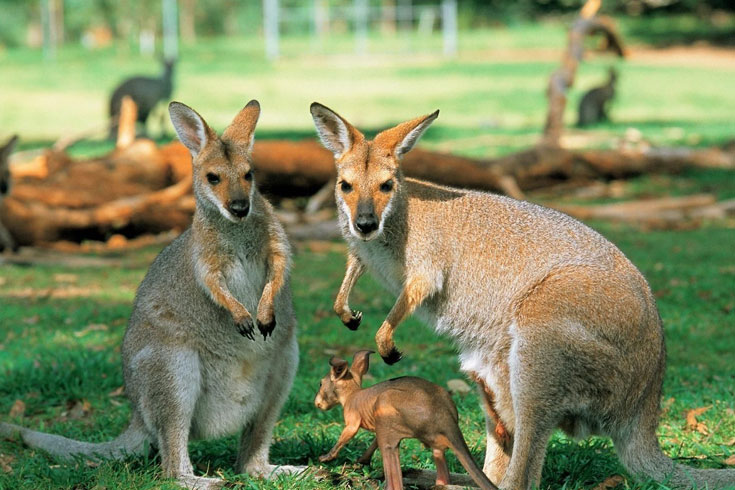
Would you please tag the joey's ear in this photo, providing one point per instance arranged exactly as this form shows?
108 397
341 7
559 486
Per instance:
340 369
361 363
7 149
190 127
401 138
337 135
242 129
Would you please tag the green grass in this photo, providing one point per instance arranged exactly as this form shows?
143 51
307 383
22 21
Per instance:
50 361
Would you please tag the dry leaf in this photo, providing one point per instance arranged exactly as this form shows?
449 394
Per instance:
731 442
730 461
78 410
693 424
5 460
610 482
18 409
458 386
95 327
118 392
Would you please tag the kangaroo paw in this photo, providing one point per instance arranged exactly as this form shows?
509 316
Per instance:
393 356
246 327
266 329
354 321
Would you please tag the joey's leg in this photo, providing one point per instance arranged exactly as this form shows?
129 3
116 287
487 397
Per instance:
348 433
256 438
390 449
349 317
415 291
277 270
442 470
368 454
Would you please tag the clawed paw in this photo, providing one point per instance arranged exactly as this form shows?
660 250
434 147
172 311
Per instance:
392 357
266 328
325 457
354 321
246 327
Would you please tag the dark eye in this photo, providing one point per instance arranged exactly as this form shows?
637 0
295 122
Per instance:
249 175
213 178
345 186
387 186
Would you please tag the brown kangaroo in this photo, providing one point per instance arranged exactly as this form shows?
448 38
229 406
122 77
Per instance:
396 409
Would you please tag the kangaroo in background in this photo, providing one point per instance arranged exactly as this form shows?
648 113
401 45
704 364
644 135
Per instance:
594 104
192 366
557 326
6 239
397 409
146 92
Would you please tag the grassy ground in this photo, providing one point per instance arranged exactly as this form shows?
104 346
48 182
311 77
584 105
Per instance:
63 326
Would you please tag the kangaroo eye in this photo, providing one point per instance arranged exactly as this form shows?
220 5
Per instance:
213 178
387 186
345 186
249 175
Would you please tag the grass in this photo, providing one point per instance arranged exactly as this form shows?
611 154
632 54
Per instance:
62 326
51 359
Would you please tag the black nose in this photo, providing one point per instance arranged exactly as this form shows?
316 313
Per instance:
366 223
240 208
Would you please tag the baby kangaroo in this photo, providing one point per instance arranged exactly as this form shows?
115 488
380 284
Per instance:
192 366
556 325
396 409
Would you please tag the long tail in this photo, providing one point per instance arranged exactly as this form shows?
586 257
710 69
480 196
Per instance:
130 442
459 446
642 455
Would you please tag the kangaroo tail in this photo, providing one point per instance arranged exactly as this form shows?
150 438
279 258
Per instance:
459 446
641 455
130 442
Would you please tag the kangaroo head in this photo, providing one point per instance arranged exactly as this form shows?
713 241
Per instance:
5 152
222 167
368 172
342 381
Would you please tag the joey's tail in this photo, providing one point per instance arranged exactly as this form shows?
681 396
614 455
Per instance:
130 442
459 446
641 455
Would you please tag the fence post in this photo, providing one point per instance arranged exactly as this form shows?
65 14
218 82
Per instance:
170 30
449 26
270 28
361 25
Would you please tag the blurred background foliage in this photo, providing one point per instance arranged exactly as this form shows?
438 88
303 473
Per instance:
87 20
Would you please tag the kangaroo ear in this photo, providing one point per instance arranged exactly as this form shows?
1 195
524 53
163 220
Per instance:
340 369
361 363
6 150
401 138
190 127
337 135
242 129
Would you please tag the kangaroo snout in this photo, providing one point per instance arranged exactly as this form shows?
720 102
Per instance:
366 223
239 207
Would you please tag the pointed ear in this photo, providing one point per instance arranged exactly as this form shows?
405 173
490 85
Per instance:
340 369
6 150
402 138
242 129
361 363
191 128
337 135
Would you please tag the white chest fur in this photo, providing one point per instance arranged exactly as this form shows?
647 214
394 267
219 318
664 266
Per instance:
245 278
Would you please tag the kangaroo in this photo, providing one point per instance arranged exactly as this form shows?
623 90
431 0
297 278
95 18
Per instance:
6 239
556 324
396 409
146 92
191 364
593 106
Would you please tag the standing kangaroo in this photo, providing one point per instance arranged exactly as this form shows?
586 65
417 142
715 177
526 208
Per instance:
557 326
6 239
192 366
146 92
397 409
594 103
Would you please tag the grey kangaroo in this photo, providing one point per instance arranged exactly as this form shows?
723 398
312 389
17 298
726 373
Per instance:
593 106
556 324
192 365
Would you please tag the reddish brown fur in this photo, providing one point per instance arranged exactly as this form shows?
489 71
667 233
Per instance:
397 409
